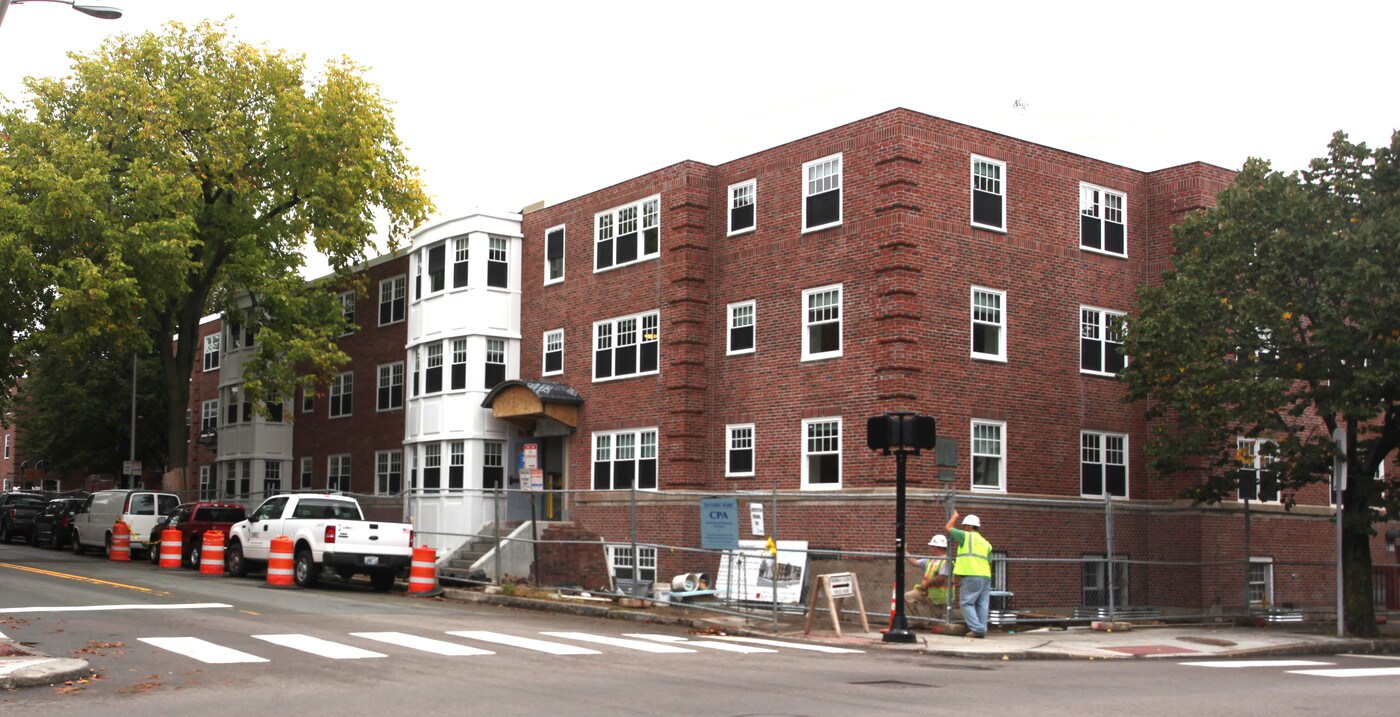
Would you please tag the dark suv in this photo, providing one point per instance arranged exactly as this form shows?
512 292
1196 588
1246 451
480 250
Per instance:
54 523
17 511
193 520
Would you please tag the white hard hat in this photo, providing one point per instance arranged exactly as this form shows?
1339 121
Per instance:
973 521
939 541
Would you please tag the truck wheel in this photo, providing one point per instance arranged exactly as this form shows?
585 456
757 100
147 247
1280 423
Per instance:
192 559
233 560
154 554
381 581
305 571
5 534
74 543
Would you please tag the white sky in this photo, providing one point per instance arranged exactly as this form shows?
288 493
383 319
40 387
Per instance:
505 103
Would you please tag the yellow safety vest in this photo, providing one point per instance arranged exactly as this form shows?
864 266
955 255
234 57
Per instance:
936 595
974 556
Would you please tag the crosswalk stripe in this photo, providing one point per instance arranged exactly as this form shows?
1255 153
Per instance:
437 647
620 642
1256 663
1351 672
202 650
1378 657
708 644
553 648
792 645
317 646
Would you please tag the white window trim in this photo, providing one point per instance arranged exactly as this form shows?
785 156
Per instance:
384 459
612 455
729 207
1268 594
380 385
840 187
729 446
1105 315
563 258
403 279
305 476
640 204
971 197
807 355
544 353
972 452
1258 466
973 322
1103 461
333 465
348 297
217 340
840 454
331 393
1103 191
641 327
729 327
491 252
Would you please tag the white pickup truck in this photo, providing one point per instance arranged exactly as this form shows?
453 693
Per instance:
327 531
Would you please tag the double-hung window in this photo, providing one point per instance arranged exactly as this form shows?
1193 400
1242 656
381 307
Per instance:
209 416
459 364
498 263
493 472
437 260
622 459
307 466
743 203
341 394
627 234
347 308
338 472
432 467
432 378
495 362
742 320
821 323
988 193
391 301
1257 480
272 477
988 456
461 252
1100 576
208 488
388 472
1101 341
553 352
821 193
211 352
988 324
390 393
1103 464
739 447
554 254
1103 225
626 346
457 465
1261 582
821 453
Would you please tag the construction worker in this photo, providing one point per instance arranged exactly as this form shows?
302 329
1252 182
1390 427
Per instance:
929 598
973 568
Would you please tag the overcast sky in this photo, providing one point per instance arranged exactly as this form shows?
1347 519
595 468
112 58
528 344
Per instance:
506 103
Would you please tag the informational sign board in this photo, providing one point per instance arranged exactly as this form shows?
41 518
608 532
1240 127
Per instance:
842 585
756 518
131 468
532 479
750 573
530 456
719 523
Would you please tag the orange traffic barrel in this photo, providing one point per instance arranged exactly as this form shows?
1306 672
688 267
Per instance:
279 564
422 573
121 543
211 553
171 547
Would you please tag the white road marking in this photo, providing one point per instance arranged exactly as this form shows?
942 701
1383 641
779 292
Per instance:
708 644
553 648
620 642
1352 672
86 608
792 645
1377 657
317 646
1257 663
201 650
437 647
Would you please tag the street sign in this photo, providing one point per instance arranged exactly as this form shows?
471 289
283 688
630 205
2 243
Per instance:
1339 460
719 523
841 585
530 454
131 468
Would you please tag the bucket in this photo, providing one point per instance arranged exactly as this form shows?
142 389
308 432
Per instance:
685 582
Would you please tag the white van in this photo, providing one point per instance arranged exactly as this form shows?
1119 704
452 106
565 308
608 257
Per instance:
92 524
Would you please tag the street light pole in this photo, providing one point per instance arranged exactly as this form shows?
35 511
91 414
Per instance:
133 415
102 12
900 433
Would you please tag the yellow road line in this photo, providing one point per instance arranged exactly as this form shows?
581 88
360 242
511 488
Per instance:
95 581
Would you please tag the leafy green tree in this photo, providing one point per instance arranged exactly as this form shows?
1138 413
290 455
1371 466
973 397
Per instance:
1280 320
173 173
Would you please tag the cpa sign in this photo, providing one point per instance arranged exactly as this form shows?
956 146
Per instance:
719 523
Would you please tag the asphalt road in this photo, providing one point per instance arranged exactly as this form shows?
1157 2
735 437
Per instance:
202 646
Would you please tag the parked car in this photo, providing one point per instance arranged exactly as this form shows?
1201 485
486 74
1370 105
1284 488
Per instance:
54 524
92 524
17 511
327 531
193 520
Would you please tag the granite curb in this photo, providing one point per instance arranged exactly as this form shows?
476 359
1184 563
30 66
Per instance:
35 669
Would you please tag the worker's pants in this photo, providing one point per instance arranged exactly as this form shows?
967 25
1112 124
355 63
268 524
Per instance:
976 594
918 605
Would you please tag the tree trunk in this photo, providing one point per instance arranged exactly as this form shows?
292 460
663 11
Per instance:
1358 595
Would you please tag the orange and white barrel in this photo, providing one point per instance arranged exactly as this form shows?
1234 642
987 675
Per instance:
171 549
422 573
121 542
279 563
211 553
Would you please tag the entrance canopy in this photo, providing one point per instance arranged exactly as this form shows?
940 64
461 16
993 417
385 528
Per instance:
540 407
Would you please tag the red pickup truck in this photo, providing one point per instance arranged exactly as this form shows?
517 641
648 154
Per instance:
193 520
